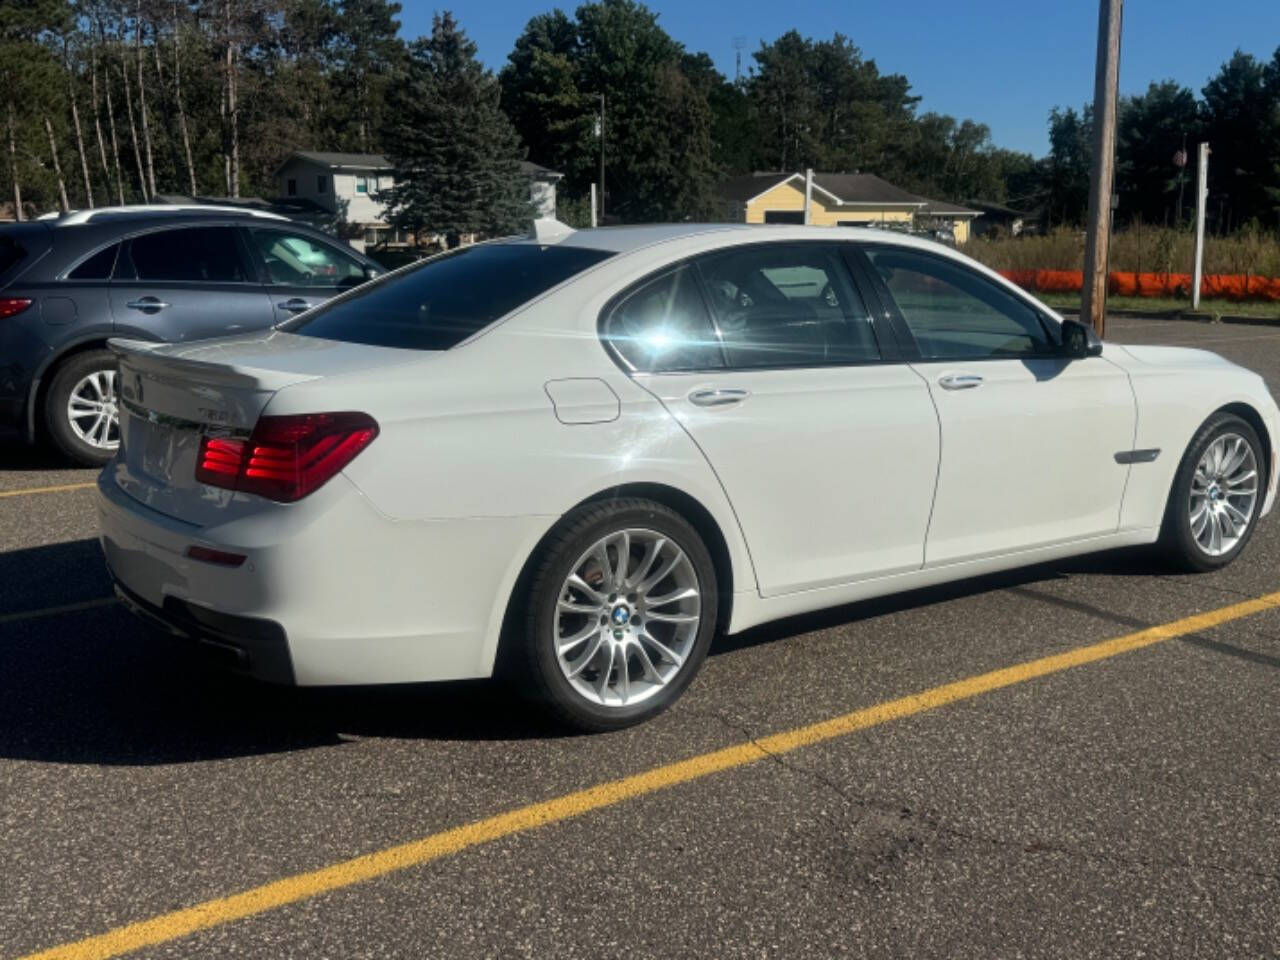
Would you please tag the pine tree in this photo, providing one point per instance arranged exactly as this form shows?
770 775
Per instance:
455 154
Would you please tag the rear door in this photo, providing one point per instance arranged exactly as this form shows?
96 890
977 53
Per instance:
188 283
826 444
301 271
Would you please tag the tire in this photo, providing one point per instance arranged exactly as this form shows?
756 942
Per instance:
1191 545
93 374
662 655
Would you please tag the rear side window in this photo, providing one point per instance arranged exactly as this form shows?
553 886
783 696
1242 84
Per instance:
11 252
780 305
97 267
439 304
663 326
192 254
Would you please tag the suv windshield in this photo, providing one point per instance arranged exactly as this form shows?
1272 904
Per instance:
445 300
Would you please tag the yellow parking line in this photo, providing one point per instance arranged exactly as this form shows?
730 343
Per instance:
212 913
60 488
53 611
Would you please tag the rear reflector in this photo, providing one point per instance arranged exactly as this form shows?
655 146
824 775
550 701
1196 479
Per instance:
9 306
286 458
221 558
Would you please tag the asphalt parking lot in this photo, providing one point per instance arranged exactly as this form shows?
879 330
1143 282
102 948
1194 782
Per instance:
1127 806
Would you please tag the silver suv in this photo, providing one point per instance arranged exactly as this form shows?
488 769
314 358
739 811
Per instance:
149 273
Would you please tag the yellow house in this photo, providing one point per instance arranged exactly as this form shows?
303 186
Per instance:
840 199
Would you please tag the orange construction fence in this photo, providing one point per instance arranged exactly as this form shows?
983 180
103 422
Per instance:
1235 286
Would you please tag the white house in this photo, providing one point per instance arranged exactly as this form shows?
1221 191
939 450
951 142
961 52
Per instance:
348 183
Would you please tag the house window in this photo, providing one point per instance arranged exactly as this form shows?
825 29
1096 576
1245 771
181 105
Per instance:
322 184
370 236
291 187
362 184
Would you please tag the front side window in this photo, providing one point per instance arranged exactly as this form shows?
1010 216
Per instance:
298 260
956 313
442 301
663 326
192 254
322 184
779 305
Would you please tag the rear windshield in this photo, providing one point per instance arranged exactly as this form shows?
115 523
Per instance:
447 299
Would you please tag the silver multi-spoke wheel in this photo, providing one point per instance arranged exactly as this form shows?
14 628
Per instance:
1224 493
627 617
92 411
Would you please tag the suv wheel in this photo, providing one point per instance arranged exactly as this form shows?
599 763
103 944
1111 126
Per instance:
80 408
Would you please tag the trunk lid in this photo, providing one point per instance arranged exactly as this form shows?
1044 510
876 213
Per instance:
173 395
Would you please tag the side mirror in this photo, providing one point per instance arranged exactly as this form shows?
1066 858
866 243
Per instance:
1079 340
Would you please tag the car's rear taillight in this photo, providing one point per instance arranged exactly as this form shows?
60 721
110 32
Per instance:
286 458
10 306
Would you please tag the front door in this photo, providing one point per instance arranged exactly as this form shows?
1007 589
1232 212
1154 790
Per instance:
187 283
301 271
1029 437
827 451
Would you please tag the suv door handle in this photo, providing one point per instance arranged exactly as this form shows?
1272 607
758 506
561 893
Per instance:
296 305
720 397
959 381
147 304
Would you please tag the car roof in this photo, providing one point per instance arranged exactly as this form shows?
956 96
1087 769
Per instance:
624 239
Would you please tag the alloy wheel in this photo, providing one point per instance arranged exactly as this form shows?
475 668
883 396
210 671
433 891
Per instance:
92 410
627 617
1224 494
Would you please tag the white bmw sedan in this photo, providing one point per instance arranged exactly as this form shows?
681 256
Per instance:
576 456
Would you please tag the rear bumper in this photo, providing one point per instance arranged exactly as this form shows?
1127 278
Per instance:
331 592
248 645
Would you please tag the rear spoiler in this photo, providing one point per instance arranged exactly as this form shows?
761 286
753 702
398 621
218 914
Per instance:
199 362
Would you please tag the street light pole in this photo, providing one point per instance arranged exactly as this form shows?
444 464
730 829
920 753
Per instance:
602 159
1093 305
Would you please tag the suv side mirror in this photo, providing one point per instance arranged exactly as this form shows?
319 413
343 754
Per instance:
1079 340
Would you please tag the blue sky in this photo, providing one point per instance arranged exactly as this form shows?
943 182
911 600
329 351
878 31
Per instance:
1000 62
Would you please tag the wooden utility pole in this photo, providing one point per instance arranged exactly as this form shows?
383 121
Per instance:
1093 305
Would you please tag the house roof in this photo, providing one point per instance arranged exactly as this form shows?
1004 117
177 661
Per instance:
340 161
850 189
864 188
1000 210
750 185
940 208
538 171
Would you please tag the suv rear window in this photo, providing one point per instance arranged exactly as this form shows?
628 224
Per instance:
11 251
445 300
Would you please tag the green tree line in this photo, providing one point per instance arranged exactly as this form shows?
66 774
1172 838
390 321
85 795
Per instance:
115 101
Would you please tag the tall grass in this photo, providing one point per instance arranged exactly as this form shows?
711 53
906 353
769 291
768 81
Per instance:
1139 248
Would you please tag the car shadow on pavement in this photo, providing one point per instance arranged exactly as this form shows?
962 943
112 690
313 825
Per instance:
1127 562
97 686
15 454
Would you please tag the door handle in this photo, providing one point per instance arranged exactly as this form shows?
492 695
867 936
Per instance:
720 397
296 305
959 381
147 304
